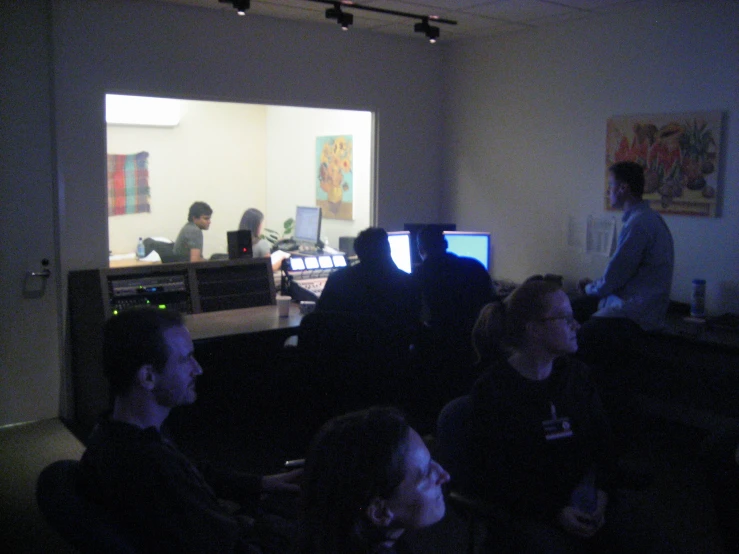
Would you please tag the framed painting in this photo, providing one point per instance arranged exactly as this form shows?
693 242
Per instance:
680 155
334 186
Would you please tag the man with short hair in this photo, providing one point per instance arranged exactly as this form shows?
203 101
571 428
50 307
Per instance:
189 243
375 286
634 291
454 289
136 473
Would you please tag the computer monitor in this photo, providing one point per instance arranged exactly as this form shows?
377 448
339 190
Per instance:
308 224
400 249
414 228
469 244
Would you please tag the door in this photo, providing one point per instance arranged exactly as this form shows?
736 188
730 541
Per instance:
30 368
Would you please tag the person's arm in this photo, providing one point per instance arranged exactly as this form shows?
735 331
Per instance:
624 262
195 255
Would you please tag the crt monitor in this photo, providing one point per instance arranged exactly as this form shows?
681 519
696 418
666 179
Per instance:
308 224
414 228
469 244
400 249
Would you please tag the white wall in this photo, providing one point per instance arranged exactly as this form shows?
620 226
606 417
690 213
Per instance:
291 174
216 154
156 48
527 125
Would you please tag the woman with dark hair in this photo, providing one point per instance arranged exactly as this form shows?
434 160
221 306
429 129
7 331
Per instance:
253 220
368 477
542 445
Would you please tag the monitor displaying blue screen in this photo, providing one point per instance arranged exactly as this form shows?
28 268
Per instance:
307 224
470 245
400 249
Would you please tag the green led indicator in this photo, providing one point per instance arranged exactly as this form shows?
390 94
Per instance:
162 306
115 312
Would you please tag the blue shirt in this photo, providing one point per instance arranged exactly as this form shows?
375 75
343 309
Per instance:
637 281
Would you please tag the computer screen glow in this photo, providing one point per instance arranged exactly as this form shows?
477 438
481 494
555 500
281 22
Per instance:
325 262
400 249
339 261
471 245
307 224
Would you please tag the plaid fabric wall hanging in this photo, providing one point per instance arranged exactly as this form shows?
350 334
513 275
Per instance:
128 183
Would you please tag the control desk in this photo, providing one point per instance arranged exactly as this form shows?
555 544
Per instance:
305 275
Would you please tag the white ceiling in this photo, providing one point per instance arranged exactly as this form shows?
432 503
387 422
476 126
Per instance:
475 18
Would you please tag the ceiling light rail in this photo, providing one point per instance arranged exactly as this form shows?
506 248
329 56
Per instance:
345 20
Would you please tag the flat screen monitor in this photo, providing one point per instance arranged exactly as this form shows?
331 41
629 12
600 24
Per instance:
469 244
308 224
414 228
325 262
339 261
400 249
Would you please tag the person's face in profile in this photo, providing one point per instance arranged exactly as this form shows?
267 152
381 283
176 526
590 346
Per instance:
203 222
419 500
558 325
175 385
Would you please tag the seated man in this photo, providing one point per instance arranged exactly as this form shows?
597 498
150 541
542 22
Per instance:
132 470
189 243
453 289
374 286
634 291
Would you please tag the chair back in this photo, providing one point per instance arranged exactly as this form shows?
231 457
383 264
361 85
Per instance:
453 438
164 249
85 525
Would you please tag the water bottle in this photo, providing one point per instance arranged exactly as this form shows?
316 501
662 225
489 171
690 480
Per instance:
140 249
698 298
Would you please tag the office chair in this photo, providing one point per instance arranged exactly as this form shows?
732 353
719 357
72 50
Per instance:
83 524
452 451
164 249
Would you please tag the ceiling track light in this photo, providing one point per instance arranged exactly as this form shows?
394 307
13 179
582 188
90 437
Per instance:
429 30
342 18
347 19
240 5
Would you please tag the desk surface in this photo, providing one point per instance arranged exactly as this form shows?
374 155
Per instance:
243 321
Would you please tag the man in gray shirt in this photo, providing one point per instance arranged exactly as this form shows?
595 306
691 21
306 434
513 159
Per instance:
189 243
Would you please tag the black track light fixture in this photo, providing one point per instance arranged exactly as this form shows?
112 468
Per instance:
240 5
429 30
346 19
342 18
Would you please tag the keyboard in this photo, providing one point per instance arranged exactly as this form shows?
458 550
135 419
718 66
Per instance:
307 289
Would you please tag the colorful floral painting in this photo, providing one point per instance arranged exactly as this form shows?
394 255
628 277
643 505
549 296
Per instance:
334 189
679 153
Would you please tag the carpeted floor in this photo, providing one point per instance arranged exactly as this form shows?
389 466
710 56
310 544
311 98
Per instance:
25 450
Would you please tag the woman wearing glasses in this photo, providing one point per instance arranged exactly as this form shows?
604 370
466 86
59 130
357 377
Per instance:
542 443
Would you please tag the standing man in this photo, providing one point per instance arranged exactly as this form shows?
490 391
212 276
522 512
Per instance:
189 243
634 291
137 474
